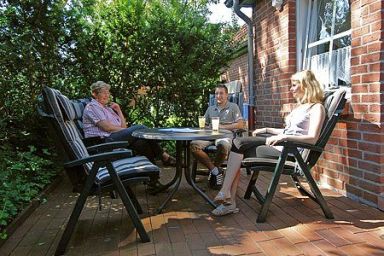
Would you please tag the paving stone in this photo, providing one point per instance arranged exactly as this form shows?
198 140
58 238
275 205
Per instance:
295 225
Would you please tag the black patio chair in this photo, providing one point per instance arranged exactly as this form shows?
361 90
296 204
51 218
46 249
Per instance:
296 164
105 170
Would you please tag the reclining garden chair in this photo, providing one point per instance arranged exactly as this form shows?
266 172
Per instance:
102 171
334 105
235 95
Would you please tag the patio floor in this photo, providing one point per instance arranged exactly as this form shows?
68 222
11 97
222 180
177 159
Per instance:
295 226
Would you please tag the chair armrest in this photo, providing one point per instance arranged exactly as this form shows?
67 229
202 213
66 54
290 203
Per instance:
102 157
90 141
108 146
238 132
294 144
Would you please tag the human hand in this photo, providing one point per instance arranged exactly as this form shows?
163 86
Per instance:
258 131
271 141
115 107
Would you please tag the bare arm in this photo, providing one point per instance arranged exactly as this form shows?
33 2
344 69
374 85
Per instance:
317 116
117 108
108 126
237 125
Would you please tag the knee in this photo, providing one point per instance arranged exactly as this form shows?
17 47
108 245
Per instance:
195 147
223 148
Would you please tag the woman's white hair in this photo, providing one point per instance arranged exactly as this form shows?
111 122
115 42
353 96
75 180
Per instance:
98 86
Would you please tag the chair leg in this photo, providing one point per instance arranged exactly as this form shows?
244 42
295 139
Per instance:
133 197
60 250
315 189
194 169
272 187
251 184
128 204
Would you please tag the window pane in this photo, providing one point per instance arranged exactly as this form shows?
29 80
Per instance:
342 42
324 19
343 16
341 66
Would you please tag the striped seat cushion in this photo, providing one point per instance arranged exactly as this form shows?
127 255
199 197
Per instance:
138 166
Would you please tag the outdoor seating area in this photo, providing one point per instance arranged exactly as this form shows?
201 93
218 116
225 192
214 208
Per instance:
295 225
155 128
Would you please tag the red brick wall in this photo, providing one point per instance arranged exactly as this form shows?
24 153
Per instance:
354 160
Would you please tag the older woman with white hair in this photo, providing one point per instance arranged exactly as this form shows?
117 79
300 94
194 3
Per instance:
303 124
103 118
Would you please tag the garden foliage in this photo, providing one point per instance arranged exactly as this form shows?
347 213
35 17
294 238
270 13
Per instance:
161 57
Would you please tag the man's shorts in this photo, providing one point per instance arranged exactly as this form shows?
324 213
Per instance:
223 145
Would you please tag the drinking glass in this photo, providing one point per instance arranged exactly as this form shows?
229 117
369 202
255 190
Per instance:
215 123
201 122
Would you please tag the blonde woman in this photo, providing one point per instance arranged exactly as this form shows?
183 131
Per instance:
303 124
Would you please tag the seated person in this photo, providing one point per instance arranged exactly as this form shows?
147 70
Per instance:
104 119
303 124
230 119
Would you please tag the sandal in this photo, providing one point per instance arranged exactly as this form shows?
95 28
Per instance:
223 210
221 198
171 161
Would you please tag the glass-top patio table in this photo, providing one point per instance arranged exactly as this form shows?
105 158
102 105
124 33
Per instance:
183 137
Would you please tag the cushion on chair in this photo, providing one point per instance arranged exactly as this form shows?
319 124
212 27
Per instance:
129 168
79 106
332 100
66 107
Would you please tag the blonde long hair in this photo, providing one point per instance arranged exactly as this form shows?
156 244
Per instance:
313 93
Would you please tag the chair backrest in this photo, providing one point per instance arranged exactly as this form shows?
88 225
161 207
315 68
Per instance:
63 114
334 103
78 106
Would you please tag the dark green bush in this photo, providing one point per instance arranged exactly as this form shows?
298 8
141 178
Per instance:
165 46
23 175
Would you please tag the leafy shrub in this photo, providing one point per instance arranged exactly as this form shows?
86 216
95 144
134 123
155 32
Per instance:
23 175
166 47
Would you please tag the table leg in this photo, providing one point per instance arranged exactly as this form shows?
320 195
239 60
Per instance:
178 175
190 179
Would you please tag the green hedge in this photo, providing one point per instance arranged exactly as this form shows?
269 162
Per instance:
165 46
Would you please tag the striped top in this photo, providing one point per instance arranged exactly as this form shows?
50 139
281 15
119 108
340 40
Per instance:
95 112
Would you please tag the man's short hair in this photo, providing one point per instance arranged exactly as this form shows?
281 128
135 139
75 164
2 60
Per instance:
223 86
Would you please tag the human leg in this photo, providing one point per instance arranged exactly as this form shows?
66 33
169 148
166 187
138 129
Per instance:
239 146
197 147
233 170
223 147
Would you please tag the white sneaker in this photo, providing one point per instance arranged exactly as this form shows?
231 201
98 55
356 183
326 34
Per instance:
223 210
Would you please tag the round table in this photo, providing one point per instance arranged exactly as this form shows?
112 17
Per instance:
183 137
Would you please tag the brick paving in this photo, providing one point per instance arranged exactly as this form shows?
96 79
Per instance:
295 226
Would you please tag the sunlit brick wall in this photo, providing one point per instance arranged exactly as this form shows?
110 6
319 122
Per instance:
354 159
275 62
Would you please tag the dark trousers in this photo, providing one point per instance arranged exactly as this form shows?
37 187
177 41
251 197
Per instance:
254 147
149 148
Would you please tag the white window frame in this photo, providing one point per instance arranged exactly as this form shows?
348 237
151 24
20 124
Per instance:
304 19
